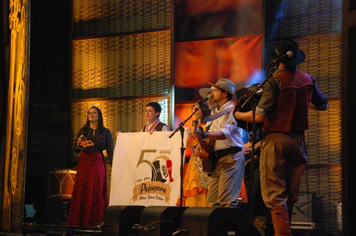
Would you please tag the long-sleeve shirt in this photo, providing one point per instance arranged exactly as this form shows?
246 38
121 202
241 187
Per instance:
228 126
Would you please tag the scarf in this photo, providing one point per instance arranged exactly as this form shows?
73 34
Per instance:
150 128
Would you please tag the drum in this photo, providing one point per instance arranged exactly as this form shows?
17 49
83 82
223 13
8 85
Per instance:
61 184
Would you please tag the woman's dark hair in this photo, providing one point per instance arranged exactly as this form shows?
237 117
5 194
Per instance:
205 109
100 122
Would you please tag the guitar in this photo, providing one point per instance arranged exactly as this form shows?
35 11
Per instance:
207 151
249 146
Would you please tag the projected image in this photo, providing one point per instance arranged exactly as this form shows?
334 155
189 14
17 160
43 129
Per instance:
199 62
199 19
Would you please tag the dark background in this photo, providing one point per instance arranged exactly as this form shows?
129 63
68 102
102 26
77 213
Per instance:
49 107
49 103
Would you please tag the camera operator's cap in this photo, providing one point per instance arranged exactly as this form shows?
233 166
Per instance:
227 85
205 91
285 45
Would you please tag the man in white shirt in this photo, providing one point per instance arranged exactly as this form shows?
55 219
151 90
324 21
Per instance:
226 179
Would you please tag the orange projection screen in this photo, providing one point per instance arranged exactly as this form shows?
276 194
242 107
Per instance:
201 19
199 62
214 39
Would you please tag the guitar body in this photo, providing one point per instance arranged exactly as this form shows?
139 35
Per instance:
207 156
207 152
256 157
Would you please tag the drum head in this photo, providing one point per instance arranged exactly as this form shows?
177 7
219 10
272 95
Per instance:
61 184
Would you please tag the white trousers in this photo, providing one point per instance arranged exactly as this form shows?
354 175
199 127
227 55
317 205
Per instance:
226 180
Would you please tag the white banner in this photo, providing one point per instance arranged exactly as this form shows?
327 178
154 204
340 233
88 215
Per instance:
146 169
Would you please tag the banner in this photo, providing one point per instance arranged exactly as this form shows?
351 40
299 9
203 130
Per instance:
146 169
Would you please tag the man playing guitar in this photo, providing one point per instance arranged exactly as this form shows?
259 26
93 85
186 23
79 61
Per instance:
226 179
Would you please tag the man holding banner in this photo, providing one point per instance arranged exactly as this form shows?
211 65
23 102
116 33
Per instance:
152 112
145 168
226 179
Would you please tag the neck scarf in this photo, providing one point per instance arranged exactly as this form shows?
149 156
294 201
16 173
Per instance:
151 127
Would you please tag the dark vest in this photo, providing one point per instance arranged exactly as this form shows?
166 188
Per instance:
291 114
158 127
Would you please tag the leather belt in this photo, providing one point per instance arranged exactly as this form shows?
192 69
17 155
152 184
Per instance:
223 152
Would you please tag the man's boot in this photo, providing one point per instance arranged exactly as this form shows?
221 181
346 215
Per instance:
281 221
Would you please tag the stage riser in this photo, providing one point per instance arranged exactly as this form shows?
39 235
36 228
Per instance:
208 221
119 220
164 220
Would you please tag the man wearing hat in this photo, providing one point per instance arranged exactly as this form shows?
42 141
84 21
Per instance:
283 107
226 179
205 92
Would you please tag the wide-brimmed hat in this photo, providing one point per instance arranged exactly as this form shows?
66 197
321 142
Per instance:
285 45
204 92
227 85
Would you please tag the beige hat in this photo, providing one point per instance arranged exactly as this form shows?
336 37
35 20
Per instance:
227 85
204 92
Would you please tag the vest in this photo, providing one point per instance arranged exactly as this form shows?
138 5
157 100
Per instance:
158 127
291 114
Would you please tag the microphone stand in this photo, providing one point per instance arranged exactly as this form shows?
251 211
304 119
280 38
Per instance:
182 149
253 99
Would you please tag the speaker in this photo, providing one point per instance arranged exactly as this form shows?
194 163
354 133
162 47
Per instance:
304 216
160 220
213 221
120 220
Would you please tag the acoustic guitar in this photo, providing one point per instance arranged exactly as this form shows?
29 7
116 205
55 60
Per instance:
206 155
256 158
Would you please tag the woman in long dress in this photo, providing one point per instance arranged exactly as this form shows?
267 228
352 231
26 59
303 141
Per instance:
195 181
90 197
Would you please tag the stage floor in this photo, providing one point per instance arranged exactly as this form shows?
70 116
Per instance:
64 230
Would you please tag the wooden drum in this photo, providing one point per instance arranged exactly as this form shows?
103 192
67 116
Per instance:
61 184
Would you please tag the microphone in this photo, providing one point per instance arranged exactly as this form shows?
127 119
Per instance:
288 54
81 136
204 100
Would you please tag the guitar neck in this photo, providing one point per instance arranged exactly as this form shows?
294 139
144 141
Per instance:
249 145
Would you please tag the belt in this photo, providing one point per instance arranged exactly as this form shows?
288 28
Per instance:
223 152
